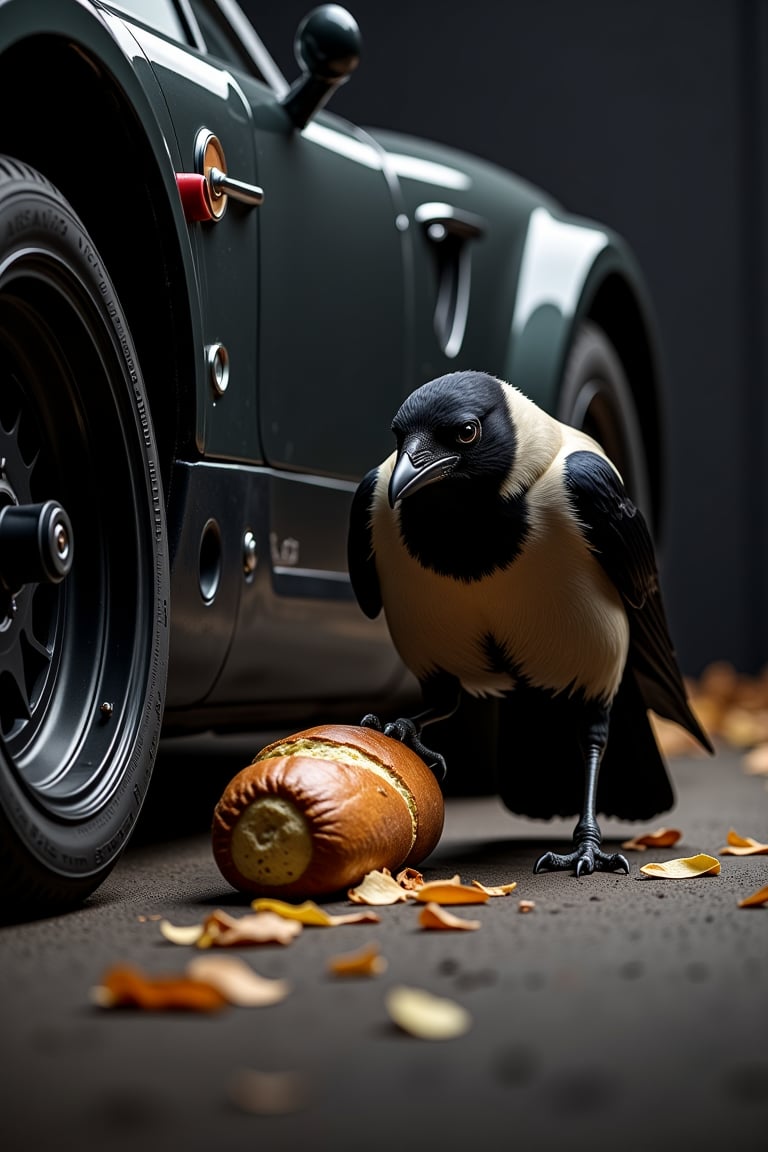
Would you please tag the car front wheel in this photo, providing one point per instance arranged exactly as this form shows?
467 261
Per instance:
83 559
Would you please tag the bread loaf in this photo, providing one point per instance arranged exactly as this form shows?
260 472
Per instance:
317 810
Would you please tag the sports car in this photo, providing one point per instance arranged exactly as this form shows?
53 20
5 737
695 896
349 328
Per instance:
214 295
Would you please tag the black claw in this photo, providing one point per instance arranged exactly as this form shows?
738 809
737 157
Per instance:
407 733
584 860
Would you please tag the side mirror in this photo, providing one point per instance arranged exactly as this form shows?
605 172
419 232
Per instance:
327 46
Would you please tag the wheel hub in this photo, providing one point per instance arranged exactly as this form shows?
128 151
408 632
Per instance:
36 545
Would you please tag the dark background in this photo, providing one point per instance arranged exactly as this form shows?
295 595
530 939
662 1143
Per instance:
649 116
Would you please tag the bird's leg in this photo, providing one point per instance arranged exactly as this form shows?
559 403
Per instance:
408 730
587 855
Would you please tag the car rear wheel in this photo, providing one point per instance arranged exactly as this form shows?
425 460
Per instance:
83 559
596 397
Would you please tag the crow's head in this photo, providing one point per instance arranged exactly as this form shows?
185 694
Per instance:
457 427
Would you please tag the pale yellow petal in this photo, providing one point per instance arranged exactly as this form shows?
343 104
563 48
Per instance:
222 931
378 888
756 760
187 934
237 981
496 889
684 868
433 916
426 1016
312 914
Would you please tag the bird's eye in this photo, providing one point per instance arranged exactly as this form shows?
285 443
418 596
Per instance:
469 432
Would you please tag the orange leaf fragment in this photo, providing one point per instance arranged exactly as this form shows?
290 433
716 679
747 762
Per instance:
221 930
450 892
312 914
685 868
366 962
496 889
237 981
742 846
756 900
433 916
526 906
410 878
379 887
661 838
124 986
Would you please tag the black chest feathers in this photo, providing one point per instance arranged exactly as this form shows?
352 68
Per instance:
458 531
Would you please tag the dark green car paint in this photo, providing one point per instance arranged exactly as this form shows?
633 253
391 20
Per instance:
375 262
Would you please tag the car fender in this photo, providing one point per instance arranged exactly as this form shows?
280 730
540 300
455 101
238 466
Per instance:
72 154
564 262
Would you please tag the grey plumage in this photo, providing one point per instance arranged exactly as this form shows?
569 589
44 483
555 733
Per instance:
510 561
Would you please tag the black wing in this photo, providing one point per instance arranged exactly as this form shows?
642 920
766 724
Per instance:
618 534
360 557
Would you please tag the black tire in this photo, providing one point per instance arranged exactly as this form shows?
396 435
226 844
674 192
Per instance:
83 662
596 397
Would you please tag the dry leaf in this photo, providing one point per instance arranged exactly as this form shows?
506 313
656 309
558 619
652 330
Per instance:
526 906
124 986
426 1016
450 892
267 1093
756 760
744 728
756 900
410 878
685 868
378 888
185 934
433 916
237 981
661 838
221 930
742 846
365 962
672 739
496 889
312 914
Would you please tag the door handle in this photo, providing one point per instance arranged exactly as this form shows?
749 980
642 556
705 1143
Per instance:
237 189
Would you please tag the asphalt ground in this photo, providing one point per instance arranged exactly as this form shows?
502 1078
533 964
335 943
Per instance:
621 1013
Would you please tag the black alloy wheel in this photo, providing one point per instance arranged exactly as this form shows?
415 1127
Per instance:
83 559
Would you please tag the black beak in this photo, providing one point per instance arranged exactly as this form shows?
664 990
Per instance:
408 477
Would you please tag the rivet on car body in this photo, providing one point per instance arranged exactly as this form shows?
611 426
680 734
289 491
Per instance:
250 555
218 367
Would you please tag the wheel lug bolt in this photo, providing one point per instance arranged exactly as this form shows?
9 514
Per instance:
61 539
107 709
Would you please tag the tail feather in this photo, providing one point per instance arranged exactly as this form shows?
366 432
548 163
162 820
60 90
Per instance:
540 767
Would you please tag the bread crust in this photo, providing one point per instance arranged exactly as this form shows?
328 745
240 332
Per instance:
372 804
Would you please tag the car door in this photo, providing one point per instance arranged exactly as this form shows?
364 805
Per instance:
333 328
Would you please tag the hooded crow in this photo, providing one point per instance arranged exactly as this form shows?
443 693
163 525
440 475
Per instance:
510 561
